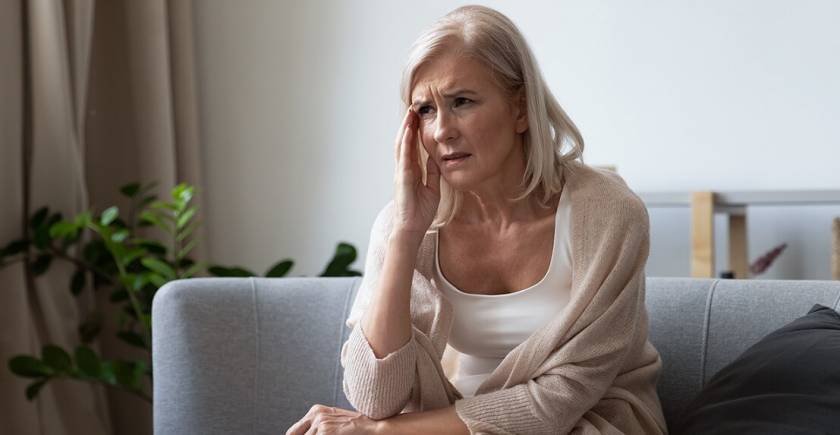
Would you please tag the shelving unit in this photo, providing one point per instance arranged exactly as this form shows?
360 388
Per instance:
734 204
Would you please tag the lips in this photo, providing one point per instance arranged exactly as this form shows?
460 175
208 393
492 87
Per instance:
455 156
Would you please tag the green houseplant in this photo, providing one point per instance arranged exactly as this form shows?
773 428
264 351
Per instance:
132 268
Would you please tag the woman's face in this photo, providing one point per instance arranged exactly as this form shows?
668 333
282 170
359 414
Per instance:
461 109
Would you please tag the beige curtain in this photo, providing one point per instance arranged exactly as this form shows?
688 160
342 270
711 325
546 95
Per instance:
96 94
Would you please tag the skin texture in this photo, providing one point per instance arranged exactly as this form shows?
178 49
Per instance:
481 120
488 124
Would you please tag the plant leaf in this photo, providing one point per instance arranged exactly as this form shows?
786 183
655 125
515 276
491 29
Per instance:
126 373
107 373
119 295
183 193
34 388
280 269
88 362
230 271
185 217
186 249
60 230
148 216
83 219
132 254
94 251
132 338
41 264
157 280
345 254
130 190
41 237
140 281
192 270
152 246
90 328
29 367
38 217
109 215
15 247
56 357
160 205
159 266
119 236
184 233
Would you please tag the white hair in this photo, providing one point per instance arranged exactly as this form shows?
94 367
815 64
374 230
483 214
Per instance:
490 37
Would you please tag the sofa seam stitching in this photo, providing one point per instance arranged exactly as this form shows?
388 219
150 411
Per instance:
341 327
706 325
255 300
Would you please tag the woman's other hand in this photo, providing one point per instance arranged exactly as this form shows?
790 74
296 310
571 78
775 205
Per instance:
327 420
415 203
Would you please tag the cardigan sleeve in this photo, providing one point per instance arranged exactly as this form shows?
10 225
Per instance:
376 387
577 373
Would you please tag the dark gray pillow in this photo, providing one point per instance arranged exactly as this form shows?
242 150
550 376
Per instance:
787 383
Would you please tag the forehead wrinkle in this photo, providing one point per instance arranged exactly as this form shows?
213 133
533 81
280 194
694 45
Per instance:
448 90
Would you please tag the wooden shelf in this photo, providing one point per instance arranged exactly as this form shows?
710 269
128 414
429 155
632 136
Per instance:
746 198
734 204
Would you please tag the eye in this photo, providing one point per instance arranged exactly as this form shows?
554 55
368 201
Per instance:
423 110
462 100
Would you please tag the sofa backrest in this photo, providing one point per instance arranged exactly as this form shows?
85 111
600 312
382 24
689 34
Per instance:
701 325
251 355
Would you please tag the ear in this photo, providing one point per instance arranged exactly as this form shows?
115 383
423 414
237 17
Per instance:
521 112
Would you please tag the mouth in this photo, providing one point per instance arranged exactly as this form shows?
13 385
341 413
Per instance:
452 160
455 156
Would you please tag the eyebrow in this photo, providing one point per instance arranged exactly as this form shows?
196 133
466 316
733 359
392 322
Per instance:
450 94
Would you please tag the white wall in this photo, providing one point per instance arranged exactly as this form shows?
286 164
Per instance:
300 106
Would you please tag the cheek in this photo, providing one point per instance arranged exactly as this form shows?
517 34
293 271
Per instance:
424 132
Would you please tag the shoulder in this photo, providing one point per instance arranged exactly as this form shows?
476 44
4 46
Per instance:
384 221
604 196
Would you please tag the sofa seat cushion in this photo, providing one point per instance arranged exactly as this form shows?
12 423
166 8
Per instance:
787 383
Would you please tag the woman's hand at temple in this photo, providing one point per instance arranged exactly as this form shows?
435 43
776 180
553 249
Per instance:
415 203
327 420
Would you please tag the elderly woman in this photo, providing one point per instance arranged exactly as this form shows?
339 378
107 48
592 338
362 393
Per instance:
502 248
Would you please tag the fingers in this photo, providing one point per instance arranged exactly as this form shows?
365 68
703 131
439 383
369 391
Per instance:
320 416
408 148
398 141
300 427
432 175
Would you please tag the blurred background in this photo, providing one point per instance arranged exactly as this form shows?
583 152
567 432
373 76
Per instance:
282 115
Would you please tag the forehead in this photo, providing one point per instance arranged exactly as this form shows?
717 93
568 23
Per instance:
449 72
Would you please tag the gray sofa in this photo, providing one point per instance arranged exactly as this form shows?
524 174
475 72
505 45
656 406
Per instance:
251 355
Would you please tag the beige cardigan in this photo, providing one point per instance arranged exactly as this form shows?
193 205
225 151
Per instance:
590 370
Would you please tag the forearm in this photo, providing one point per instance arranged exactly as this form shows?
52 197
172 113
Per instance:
443 420
387 323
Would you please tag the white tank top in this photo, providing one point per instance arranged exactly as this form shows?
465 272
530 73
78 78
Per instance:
487 327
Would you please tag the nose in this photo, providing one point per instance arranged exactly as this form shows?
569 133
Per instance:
445 127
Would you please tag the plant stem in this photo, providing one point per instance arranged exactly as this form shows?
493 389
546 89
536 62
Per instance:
81 264
147 330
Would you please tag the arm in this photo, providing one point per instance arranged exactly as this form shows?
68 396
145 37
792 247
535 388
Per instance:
387 322
442 420
379 357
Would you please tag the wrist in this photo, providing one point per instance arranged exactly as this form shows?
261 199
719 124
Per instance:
406 239
382 427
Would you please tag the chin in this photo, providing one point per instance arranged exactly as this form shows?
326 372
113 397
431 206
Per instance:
460 182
